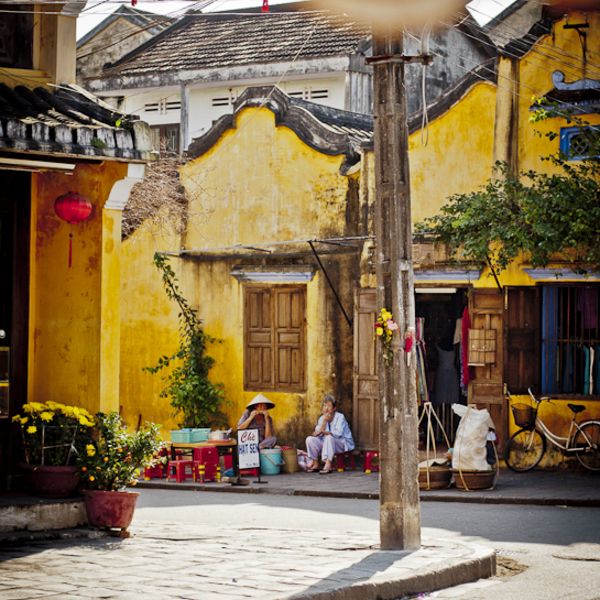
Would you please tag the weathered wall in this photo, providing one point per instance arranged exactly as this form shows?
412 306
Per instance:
66 327
258 184
117 39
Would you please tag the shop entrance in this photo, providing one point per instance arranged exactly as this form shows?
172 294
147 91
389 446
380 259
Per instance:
14 284
440 374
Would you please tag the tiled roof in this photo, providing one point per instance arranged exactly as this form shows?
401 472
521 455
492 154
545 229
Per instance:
204 41
70 121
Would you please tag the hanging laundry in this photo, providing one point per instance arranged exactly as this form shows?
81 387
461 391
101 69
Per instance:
587 305
586 371
467 373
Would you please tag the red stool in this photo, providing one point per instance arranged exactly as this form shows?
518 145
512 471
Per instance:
250 472
206 462
156 472
371 461
343 459
180 469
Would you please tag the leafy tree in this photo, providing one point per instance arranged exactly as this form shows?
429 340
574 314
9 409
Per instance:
187 384
537 214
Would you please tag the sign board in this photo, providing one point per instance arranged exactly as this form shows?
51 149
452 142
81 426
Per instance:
247 446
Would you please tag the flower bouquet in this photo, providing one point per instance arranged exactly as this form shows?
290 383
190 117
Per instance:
53 433
384 330
53 436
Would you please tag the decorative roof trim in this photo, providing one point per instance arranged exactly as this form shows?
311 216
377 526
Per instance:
301 274
458 276
296 117
561 275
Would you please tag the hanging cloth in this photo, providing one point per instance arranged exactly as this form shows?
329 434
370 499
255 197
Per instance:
586 371
587 305
466 371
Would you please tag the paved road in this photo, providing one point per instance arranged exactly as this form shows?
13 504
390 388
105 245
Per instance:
558 548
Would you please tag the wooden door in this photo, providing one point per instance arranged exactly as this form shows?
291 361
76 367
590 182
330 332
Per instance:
365 422
522 325
486 390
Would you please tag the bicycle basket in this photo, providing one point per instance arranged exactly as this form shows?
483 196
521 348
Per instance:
524 415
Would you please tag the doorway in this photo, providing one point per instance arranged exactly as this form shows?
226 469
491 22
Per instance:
15 197
439 335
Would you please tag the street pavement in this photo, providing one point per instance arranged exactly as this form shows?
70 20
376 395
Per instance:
557 488
221 558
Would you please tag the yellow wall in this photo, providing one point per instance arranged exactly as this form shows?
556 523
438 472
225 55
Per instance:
557 417
458 157
66 328
258 184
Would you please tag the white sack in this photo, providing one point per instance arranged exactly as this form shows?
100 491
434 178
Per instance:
471 436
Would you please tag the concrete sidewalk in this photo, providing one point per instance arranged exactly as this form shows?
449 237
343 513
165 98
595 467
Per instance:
163 561
558 488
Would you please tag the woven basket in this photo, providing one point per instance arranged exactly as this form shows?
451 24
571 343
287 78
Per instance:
439 478
474 480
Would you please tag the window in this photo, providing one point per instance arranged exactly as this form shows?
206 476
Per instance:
570 340
274 338
165 138
576 143
163 106
309 93
228 100
16 37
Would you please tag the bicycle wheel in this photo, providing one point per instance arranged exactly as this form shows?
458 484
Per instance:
524 450
589 433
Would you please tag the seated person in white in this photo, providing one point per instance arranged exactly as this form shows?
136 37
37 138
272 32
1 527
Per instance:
332 436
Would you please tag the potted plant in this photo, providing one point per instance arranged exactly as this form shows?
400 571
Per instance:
110 462
53 436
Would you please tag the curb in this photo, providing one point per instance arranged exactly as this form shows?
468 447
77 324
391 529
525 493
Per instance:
19 538
464 497
482 566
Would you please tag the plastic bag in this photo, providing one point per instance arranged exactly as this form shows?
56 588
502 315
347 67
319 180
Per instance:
303 460
470 445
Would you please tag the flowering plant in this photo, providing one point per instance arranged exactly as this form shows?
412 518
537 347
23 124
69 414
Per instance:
53 433
384 329
113 456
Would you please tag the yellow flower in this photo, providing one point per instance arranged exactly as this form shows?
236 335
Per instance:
90 450
133 482
33 407
31 429
17 419
24 420
379 330
53 405
85 422
47 416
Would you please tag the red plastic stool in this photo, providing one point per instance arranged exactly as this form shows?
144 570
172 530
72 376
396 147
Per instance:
206 463
155 472
343 459
249 472
371 461
180 470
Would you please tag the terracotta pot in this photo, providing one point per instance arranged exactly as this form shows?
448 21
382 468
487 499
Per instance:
51 482
110 509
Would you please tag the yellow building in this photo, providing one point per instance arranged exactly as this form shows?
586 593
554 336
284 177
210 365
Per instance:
276 254
59 299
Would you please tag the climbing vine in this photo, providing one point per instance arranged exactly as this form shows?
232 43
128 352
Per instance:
187 384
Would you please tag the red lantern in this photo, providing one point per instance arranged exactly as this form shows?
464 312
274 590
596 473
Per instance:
72 208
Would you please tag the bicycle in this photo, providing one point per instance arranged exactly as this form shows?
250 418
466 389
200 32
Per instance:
525 449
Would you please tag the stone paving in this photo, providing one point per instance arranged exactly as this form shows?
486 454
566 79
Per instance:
164 561
568 488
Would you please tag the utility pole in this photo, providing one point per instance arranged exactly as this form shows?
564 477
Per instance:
400 514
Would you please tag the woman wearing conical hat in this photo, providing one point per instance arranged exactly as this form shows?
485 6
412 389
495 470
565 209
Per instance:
256 416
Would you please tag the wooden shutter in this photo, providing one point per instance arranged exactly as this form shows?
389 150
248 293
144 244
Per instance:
365 425
274 334
289 337
522 359
258 360
486 390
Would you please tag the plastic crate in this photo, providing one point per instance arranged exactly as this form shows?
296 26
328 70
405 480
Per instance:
200 435
183 436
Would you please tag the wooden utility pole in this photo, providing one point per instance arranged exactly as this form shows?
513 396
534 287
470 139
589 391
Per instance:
400 514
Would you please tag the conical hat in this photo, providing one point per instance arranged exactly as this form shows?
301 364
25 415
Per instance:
260 399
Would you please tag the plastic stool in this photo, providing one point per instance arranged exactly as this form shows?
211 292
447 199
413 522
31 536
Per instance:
343 459
371 461
206 463
180 470
155 472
